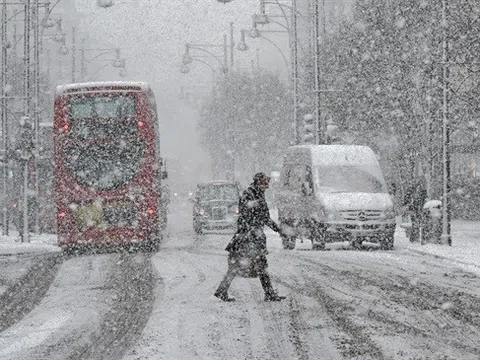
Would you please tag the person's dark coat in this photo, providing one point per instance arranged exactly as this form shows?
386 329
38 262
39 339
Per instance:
253 216
415 198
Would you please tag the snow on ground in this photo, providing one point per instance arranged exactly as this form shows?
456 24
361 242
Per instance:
465 249
12 245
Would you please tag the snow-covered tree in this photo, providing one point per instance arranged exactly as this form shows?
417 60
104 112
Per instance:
249 120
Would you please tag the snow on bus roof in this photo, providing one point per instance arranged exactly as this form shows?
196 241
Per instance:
61 89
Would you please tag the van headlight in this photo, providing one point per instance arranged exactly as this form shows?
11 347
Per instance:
389 214
332 215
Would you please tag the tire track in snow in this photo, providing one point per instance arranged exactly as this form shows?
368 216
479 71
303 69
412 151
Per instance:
426 298
359 343
133 277
392 304
24 295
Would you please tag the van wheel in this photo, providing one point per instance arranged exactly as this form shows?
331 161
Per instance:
318 246
318 236
356 244
197 228
386 243
288 243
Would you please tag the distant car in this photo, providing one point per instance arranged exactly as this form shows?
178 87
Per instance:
215 205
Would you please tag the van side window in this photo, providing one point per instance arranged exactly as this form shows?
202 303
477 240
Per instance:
296 178
309 177
286 177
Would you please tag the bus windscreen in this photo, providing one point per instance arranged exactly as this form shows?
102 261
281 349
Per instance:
102 107
104 150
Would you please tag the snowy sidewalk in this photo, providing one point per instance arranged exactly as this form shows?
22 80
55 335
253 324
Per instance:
465 249
11 245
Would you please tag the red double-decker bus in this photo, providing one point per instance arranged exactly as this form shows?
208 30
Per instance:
108 168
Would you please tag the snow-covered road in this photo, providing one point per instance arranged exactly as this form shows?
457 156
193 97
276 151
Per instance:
341 304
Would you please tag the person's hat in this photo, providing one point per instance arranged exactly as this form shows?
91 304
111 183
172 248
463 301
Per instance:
261 178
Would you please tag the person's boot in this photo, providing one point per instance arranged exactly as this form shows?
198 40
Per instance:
223 295
273 296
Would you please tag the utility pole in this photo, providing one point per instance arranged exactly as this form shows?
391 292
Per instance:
27 104
319 136
5 147
231 169
36 110
294 35
232 46
446 213
83 68
74 50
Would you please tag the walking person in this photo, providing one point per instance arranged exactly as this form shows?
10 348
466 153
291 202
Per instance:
249 242
415 198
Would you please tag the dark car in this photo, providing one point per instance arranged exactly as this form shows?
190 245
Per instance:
215 206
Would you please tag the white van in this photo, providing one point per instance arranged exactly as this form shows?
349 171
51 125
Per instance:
335 193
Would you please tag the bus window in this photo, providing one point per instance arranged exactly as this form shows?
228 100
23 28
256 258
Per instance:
102 107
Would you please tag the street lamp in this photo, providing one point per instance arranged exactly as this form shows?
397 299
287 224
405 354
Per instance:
242 45
117 62
184 69
291 28
105 3
122 72
187 59
59 36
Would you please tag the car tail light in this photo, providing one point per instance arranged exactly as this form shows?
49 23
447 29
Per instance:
201 212
62 214
151 211
141 123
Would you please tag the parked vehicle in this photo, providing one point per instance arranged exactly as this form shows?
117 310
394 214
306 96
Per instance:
335 193
216 205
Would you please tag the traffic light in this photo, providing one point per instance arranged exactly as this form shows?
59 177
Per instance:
27 135
308 129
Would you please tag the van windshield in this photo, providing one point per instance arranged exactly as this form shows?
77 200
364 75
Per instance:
338 178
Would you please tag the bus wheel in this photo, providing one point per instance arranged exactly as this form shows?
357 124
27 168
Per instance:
153 243
68 250
198 229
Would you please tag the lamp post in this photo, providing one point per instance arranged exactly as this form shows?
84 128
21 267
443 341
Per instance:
117 62
262 19
188 59
32 35
446 237
5 147
185 70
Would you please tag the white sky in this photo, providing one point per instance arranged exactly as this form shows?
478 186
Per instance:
152 35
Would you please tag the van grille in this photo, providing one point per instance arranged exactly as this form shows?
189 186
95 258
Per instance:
361 215
219 213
